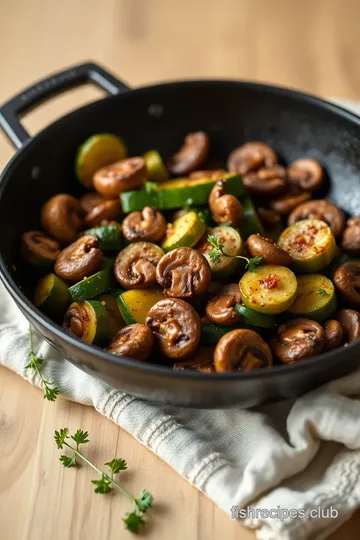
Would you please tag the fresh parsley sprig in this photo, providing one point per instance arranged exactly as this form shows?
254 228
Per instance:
322 292
133 520
50 391
218 250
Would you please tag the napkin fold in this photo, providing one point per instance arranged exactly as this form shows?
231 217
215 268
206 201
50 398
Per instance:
301 456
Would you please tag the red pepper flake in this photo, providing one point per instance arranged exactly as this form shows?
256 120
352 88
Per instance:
270 282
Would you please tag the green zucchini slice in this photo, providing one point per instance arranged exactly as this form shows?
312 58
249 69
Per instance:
311 244
109 235
269 289
315 298
52 296
96 152
116 322
92 286
156 169
250 223
186 231
249 317
135 304
89 321
232 244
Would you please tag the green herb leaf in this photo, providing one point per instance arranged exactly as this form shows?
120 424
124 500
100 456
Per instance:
116 465
133 522
68 461
144 502
80 437
50 393
102 485
218 250
322 292
61 436
254 263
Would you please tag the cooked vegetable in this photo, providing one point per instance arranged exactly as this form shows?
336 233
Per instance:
268 289
267 182
116 322
96 152
88 320
250 317
225 208
135 266
120 176
310 243
61 218
211 333
289 200
214 174
271 222
306 174
221 308
90 200
347 282
191 155
251 157
232 245
177 193
321 210
135 304
52 296
349 320
250 223
39 250
91 286
186 231
241 350
202 361
350 242
149 225
82 258
109 235
258 246
333 335
104 212
135 340
155 166
315 298
297 340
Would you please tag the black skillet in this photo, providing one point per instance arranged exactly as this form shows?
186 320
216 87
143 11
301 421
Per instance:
159 116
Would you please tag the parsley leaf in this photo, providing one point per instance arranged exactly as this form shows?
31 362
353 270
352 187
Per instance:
50 391
218 250
322 292
61 436
133 522
102 485
68 461
80 437
144 501
116 465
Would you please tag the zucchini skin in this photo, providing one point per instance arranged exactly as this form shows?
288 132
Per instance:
211 333
319 294
147 297
253 318
186 231
109 235
156 169
92 286
250 223
57 299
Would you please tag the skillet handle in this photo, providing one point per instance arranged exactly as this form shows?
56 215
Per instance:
34 95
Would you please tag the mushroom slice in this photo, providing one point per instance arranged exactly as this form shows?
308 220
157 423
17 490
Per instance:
251 157
104 212
258 246
241 350
148 225
61 218
121 176
297 340
347 281
225 208
135 340
221 309
191 155
39 249
349 320
135 266
306 174
322 210
79 260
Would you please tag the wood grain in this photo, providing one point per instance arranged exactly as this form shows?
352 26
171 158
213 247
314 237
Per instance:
311 45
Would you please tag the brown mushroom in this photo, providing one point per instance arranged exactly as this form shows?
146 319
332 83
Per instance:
76 321
221 309
306 174
289 201
103 213
191 155
347 281
183 272
37 246
298 339
176 327
214 174
124 175
241 350
269 218
203 361
333 335
258 246
135 266
349 320
266 182
225 208
135 340
149 224
323 210
61 218
89 200
251 157
79 260
351 237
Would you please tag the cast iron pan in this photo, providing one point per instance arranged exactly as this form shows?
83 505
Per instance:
159 116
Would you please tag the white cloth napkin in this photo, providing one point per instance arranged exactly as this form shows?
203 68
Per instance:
298 455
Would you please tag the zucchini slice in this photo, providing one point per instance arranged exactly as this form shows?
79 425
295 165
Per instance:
52 296
109 235
116 322
177 193
211 333
249 317
250 223
269 289
315 298
96 152
89 321
135 304
186 231
232 244
311 244
156 169
91 286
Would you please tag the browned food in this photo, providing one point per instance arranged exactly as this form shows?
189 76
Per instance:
121 176
306 174
148 225
104 212
135 340
241 350
79 260
347 281
333 335
251 157
136 268
351 237
269 218
176 327
297 340
214 174
61 218
221 308
266 182
349 320
323 210
191 155
257 246
91 199
183 273
225 208
289 200
36 244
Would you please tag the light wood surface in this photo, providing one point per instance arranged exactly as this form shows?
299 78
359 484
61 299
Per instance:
309 44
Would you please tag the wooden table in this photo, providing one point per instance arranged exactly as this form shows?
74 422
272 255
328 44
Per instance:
312 45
